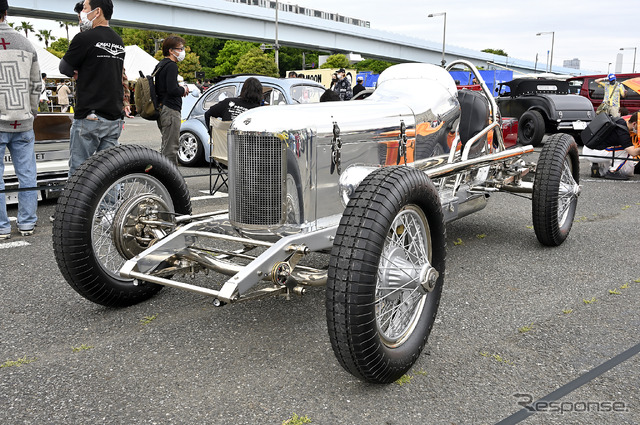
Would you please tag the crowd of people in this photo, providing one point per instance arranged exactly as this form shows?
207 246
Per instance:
95 61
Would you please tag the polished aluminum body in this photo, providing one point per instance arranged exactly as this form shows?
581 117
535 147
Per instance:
268 144
292 169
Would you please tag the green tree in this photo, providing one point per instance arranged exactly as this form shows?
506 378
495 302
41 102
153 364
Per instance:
255 61
66 25
228 57
59 47
209 72
290 59
206 48
373 65
46 36
499 52
26 27
336 61
145 39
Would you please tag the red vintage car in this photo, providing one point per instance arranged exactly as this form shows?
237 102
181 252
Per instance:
586 86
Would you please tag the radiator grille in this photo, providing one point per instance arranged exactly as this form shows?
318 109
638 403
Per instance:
255 164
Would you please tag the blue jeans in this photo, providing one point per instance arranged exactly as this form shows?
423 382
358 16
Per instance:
24 162
89 136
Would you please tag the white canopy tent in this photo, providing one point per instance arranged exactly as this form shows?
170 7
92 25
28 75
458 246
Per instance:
136 60
48 62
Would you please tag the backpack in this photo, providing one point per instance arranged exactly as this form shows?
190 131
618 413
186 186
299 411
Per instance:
145 97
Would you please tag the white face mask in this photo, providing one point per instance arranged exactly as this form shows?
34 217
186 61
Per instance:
85 23
180 56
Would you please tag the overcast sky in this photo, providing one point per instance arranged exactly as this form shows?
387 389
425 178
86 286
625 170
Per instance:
588 30
592 31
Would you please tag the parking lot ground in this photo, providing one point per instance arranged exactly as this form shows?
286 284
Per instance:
517 322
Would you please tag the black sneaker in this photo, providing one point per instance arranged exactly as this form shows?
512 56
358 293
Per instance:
595 171
615 175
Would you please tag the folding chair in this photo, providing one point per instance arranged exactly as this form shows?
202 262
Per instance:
218 155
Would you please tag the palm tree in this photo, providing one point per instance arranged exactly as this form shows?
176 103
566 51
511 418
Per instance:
46 36
26 27
66 25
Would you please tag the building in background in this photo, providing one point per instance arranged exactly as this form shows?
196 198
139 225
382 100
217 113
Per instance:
573 63
294 8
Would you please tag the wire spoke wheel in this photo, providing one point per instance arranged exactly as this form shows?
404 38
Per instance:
399 296
103 232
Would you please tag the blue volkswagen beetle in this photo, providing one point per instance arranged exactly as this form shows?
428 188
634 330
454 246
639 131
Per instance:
194 137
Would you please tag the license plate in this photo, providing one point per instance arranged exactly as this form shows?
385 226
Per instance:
579 125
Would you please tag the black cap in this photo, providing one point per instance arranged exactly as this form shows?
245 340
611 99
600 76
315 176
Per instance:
341 70
4 5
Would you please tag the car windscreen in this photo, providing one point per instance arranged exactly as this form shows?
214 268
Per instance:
217 94
306 94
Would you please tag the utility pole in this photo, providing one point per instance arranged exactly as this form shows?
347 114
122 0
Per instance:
277 47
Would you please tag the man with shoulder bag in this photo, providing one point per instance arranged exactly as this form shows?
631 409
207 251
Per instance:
170 95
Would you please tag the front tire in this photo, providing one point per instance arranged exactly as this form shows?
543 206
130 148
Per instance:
556 189
386 274
531 128
190 149
102 216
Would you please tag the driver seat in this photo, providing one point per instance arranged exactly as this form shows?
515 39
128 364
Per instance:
474 114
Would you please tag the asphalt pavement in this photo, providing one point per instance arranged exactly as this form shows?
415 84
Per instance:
518 322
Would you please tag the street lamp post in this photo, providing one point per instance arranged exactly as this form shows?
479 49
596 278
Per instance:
444 32
634 55
277 47
553 36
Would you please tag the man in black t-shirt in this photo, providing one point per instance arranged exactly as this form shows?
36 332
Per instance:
95 58
170 95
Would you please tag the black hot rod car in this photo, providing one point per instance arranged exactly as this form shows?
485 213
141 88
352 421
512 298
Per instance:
543 106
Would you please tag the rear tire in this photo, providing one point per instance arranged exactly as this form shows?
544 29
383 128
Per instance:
531 128
112 187
556 189
386 274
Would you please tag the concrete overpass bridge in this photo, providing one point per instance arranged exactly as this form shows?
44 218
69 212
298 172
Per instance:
223 19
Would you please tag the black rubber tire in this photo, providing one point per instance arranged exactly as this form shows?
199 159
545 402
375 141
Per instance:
186 143
531 128
357 339
77 212
555 189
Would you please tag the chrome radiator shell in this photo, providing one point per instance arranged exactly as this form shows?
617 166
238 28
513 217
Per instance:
257 175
